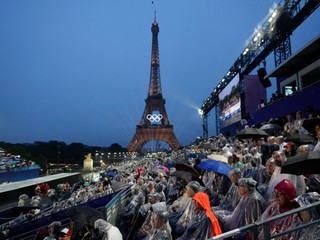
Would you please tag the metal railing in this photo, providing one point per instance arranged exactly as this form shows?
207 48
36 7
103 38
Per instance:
113 208
264 226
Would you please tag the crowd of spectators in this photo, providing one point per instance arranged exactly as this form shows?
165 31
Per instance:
204 204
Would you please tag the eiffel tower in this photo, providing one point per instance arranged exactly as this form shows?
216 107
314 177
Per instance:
154 124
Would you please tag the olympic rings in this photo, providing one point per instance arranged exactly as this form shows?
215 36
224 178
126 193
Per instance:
154 117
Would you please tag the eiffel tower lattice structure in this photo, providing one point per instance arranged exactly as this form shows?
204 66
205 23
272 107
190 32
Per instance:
154 124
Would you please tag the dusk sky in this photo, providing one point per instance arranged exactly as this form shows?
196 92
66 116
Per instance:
78 70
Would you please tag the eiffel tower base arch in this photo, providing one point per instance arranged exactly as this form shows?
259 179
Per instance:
147 134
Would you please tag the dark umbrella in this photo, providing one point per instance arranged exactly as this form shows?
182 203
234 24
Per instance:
84 214
215 166
187 168
182 174
251 133
271 128
187 176
300 139
306 163
310 124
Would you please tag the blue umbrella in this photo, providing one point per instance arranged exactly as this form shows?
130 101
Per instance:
215 166
111 174
197 155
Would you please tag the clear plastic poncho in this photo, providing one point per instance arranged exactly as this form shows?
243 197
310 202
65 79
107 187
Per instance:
312 232
162 233
231 199
198 228
248 210
108 230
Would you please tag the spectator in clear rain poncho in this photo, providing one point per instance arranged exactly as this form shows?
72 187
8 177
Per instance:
147 225
204 223
217 186
178 206
192 188
142 216
263 185
106 231
54 230
159 228
231 199
297 181
248 210
249 168
127 215
159 188
284 193
307 216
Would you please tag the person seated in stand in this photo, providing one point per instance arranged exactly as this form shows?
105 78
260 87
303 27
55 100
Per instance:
307 216
54 229
310 112
279 95
273 98
317 134
290 149
231 199
299 122
159 228
263 186
204 223
192 188
297 181
284 192
128 214
142 216
248 210
289 126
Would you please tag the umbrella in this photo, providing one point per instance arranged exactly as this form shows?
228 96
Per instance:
218 157
197 155
306 163
187 168
310 124
215 166
182 174
251 133
111 174
84 214
271 128
187 176
300 139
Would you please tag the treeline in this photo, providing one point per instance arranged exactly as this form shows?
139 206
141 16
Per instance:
44 153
